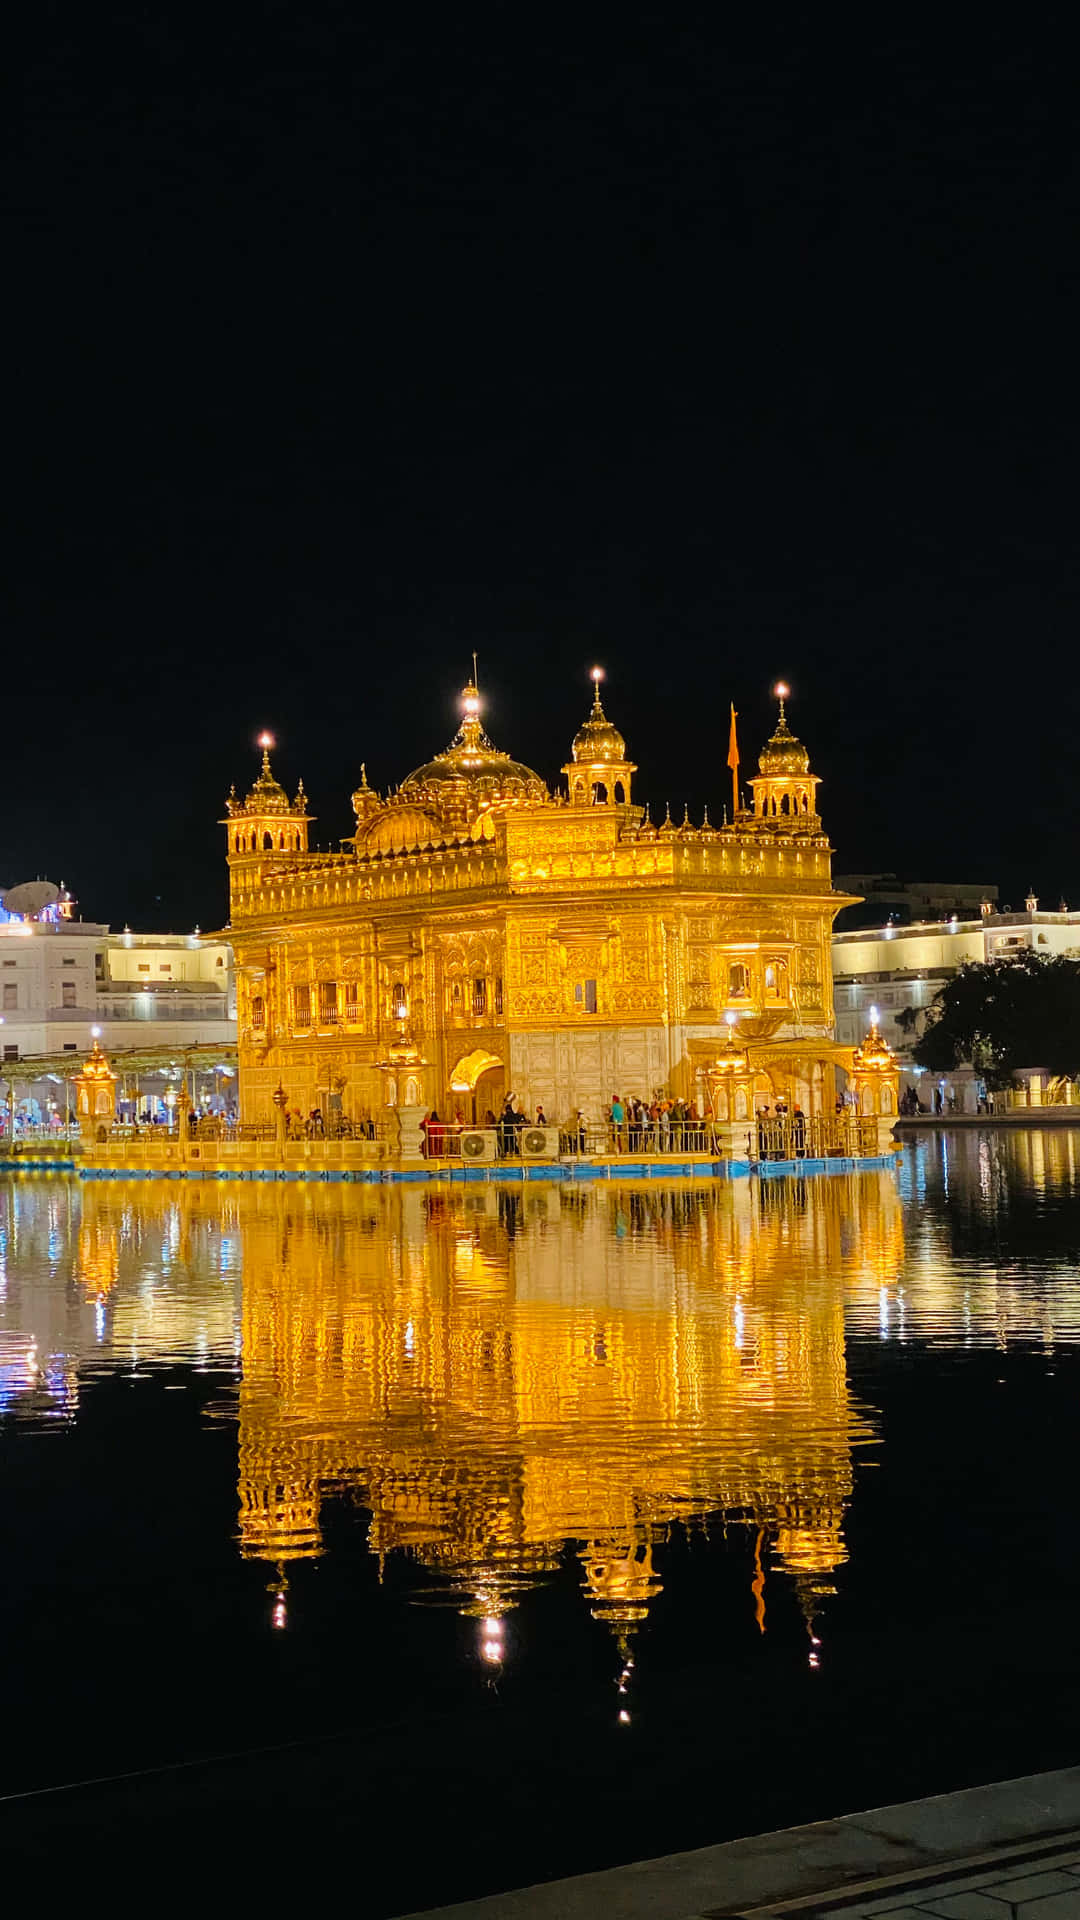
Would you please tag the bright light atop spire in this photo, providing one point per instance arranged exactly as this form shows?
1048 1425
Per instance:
782 691
265 740
596 674
470 700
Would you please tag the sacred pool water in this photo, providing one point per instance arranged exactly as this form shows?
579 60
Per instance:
475 1536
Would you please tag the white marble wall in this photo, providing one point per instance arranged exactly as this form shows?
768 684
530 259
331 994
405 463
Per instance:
563 1070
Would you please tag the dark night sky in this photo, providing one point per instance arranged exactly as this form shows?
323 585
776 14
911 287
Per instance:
712 351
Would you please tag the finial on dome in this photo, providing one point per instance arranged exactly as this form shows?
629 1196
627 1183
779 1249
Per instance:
470 702
266 741
596 674
782 692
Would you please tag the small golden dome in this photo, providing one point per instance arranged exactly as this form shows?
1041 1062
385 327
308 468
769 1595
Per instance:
365 800
734 1059
874 1054
267 795
783 753
96 1065
597 739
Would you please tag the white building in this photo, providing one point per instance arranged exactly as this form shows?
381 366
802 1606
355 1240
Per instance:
60 979
896 967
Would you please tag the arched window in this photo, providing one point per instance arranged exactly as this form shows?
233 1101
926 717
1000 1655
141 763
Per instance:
258 1010
620 793
738 980
268 842
398 1003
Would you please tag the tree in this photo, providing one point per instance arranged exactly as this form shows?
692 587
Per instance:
1002 1014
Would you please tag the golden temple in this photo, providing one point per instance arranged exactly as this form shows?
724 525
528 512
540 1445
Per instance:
556 945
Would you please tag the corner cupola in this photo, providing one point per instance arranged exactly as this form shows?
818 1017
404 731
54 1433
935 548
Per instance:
785 790
267 821
598 772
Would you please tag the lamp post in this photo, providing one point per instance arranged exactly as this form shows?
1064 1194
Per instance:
404 1070
731 1074
876 1083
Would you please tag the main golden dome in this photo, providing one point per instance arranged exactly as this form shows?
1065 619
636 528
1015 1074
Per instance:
472 769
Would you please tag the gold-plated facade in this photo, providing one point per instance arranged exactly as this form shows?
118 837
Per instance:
556 945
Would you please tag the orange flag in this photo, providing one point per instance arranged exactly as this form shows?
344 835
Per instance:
733 762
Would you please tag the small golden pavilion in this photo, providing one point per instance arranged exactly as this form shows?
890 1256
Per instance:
558 946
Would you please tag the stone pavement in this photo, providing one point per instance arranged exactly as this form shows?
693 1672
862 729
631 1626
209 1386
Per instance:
1010 1884
1005 1852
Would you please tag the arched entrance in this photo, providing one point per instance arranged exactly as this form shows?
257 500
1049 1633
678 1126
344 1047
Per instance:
478 1082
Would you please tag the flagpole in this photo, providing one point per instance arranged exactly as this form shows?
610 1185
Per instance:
733 763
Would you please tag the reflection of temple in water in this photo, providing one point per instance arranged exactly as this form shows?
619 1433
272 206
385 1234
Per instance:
505 1377
497 1375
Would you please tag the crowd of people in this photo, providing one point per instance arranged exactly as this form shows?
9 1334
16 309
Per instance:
658 1125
